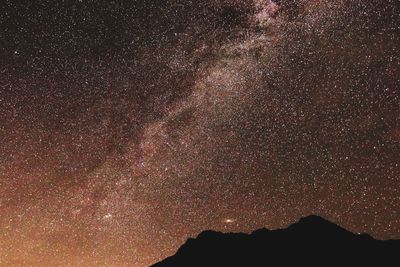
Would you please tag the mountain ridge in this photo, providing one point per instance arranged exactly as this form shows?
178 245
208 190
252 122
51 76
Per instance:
304 242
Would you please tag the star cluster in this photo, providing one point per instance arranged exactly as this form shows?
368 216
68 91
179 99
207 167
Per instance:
128 126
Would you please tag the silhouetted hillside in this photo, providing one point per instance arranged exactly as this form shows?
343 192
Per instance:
313 241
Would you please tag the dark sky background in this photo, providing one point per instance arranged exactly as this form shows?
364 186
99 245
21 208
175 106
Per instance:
128 126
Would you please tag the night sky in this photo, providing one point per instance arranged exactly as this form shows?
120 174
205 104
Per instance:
128 126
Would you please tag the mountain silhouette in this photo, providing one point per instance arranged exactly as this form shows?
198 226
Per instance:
312 241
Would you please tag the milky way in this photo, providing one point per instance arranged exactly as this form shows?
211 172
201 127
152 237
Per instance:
128 126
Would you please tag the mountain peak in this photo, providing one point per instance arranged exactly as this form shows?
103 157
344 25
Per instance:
314 219
315 223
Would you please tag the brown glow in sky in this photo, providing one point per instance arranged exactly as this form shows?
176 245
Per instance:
128 126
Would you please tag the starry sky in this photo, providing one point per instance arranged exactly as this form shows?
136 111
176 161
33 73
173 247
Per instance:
128 126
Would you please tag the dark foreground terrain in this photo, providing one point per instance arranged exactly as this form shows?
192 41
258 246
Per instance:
313 241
